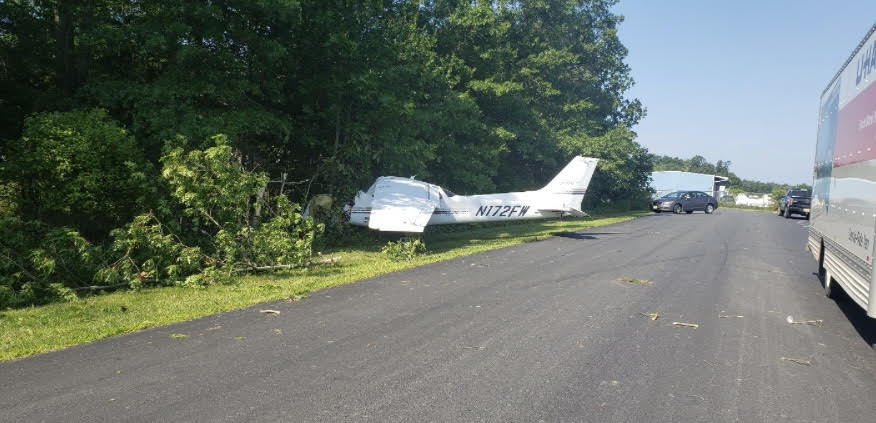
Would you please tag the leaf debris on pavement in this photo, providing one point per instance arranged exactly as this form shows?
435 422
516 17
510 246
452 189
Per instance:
638 281
269 311
800 361
293 298
816 322
725 316
687 325
654 316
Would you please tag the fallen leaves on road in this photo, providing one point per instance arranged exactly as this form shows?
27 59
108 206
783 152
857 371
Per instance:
800 361
687 325
178 335
654 316
636 281
808 322
817 322
269 311
726 316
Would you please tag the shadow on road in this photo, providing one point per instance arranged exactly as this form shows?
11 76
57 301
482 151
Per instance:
586 235
575 235
797 218
865 325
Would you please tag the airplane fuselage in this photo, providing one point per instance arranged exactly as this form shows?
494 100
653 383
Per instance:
395 204
489 207
473 208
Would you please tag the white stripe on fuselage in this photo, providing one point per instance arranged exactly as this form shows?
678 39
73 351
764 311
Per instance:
478 208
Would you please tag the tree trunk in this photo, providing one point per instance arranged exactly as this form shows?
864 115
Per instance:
64 68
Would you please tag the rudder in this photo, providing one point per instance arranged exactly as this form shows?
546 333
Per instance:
574 178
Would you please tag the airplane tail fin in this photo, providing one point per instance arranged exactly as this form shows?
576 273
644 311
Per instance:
574 178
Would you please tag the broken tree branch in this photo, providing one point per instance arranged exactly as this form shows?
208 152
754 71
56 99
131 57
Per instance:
100 287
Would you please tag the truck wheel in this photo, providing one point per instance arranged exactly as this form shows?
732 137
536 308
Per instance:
677 209
709 209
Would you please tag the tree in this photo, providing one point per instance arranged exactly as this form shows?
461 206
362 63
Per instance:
78 169
228 226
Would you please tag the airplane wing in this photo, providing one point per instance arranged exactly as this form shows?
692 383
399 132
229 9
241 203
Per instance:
402 205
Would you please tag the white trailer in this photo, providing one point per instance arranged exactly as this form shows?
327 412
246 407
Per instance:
843 217
666 181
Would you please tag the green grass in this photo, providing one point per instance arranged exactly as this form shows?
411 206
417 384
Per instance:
38 329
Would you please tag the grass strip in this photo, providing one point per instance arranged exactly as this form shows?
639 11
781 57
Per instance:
37 329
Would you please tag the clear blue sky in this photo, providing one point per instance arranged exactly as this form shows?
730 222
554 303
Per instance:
738 80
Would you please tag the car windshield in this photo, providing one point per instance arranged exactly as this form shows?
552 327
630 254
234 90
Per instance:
675 194
801 193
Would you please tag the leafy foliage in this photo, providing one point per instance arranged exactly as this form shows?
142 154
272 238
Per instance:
475 96
148 254
404 250
231 227
78 169
39 263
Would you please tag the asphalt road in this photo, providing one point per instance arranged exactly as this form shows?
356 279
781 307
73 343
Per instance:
543 331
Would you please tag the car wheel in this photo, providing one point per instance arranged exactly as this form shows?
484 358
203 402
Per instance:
709 209
677 209
688 211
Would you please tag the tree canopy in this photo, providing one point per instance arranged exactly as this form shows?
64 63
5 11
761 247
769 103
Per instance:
324 95
699 164
474 95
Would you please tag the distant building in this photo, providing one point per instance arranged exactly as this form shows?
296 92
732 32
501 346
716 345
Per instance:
668 181
753 200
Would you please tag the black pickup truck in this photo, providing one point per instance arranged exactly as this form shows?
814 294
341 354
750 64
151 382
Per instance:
795 201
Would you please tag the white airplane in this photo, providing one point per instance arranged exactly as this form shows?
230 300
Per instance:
395 204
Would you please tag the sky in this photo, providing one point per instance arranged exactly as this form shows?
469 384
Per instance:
738 80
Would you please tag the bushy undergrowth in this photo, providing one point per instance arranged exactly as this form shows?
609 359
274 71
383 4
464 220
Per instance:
78 169
219 222
39 263
404 249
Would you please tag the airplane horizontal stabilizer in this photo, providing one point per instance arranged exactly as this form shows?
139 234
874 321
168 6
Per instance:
567 211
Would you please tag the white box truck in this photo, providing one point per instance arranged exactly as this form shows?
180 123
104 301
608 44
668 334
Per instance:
842 231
